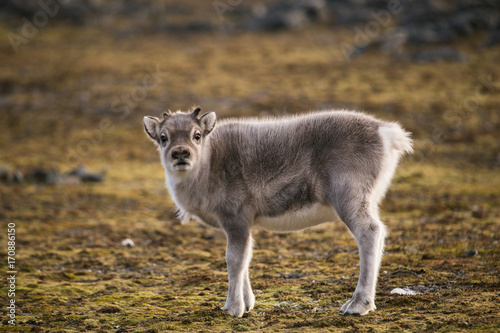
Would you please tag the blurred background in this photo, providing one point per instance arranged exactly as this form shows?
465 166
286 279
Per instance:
81 180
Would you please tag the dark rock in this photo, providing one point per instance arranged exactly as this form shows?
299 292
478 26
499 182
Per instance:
93 177
288 15
471 253
464 23
440 54
49 176
293 276
430 33
72 11
425 22
86 176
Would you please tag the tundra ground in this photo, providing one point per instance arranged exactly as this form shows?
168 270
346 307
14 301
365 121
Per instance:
73 96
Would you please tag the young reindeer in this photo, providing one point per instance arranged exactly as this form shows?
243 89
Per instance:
282 175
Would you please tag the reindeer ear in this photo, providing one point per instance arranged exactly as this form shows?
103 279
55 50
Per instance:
208 122
151 125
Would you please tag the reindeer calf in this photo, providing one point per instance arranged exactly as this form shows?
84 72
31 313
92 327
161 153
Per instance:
282 175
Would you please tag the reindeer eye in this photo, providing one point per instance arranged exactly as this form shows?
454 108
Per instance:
197 136
163 138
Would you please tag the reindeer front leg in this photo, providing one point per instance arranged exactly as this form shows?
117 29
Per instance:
240 297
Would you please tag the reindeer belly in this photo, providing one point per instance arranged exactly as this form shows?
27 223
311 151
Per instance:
295 220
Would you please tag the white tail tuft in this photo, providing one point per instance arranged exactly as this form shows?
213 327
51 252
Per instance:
399 139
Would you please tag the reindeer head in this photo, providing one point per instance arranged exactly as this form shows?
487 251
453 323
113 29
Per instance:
180 138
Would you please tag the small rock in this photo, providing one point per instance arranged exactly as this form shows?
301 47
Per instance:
5 174
471 253
479 212
288 15
208 236
86 176
92 177
127 242
49 176
17 176
430 33
292 276
403 291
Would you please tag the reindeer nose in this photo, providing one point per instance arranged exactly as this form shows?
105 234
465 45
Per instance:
180 153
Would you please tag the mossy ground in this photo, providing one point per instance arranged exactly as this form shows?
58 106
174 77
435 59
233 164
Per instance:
75 277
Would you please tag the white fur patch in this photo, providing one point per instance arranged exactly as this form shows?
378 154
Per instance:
396 142
297 220
397 138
